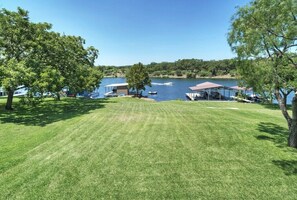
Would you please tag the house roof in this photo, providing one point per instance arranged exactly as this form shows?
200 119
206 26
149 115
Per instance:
206 85
117 85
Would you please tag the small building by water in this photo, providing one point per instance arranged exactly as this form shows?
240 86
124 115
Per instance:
116 89
2 92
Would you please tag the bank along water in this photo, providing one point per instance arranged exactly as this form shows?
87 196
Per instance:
169 88
175 90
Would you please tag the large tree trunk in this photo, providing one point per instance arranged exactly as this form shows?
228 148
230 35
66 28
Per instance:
292 140
292 122
282 102
9 100
137 93
58 96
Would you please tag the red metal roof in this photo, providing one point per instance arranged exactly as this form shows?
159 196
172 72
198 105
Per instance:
207 85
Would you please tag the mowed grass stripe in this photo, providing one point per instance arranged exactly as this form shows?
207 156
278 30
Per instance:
234 150
119 130
63 142
133 149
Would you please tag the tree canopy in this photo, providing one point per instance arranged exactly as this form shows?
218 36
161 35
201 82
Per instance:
264 35
137 78
42 60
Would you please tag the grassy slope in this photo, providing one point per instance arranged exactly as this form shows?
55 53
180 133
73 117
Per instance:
133 149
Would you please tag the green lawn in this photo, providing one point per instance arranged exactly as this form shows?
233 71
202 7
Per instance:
126 148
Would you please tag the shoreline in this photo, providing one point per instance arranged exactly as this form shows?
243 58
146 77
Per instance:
182 77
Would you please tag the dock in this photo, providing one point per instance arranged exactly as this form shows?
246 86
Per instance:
242 100
193 96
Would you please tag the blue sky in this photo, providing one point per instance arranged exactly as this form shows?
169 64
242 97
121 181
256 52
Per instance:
129 31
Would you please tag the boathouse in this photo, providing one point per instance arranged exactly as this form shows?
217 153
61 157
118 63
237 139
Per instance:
209 91
244 94
2 92
116 89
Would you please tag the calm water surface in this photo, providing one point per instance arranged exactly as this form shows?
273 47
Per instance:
165 92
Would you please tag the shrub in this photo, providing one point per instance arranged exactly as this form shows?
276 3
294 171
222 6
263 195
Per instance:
178 73
191 75
204 73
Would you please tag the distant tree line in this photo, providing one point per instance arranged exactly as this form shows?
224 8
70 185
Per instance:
33 56
187 68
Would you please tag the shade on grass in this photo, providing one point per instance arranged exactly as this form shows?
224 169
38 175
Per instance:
133 149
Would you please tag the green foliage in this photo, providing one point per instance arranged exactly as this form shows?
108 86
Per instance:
31 100
264 36
178 73
137 77
204 73
264 28
50 80
14 74
113 71
82 83
16 41
233 73
183 67
267 29
156 74
191 75
44 61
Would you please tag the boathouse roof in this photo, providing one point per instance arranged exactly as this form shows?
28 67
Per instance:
207 85
117 85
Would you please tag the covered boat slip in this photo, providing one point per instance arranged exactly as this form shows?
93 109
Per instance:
2 92
117 89
210 91
246 95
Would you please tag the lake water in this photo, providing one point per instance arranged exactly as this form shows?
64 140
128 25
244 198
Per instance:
167 92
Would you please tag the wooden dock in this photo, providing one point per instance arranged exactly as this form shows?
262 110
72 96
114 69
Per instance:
192 96
204 96
242 100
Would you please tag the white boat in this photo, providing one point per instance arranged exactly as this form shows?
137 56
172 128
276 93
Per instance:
110 94
20 92
153 92
168 83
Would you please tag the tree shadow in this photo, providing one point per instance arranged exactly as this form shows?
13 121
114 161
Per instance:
277 134
288 166
50 111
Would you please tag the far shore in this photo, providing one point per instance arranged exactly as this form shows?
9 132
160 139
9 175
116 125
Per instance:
182 77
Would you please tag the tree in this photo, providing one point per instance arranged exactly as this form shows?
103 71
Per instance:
78 67
72 63
17 42
137 78
42 60
264 35
257 74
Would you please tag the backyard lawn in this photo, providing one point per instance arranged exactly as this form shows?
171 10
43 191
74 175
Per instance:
125 148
